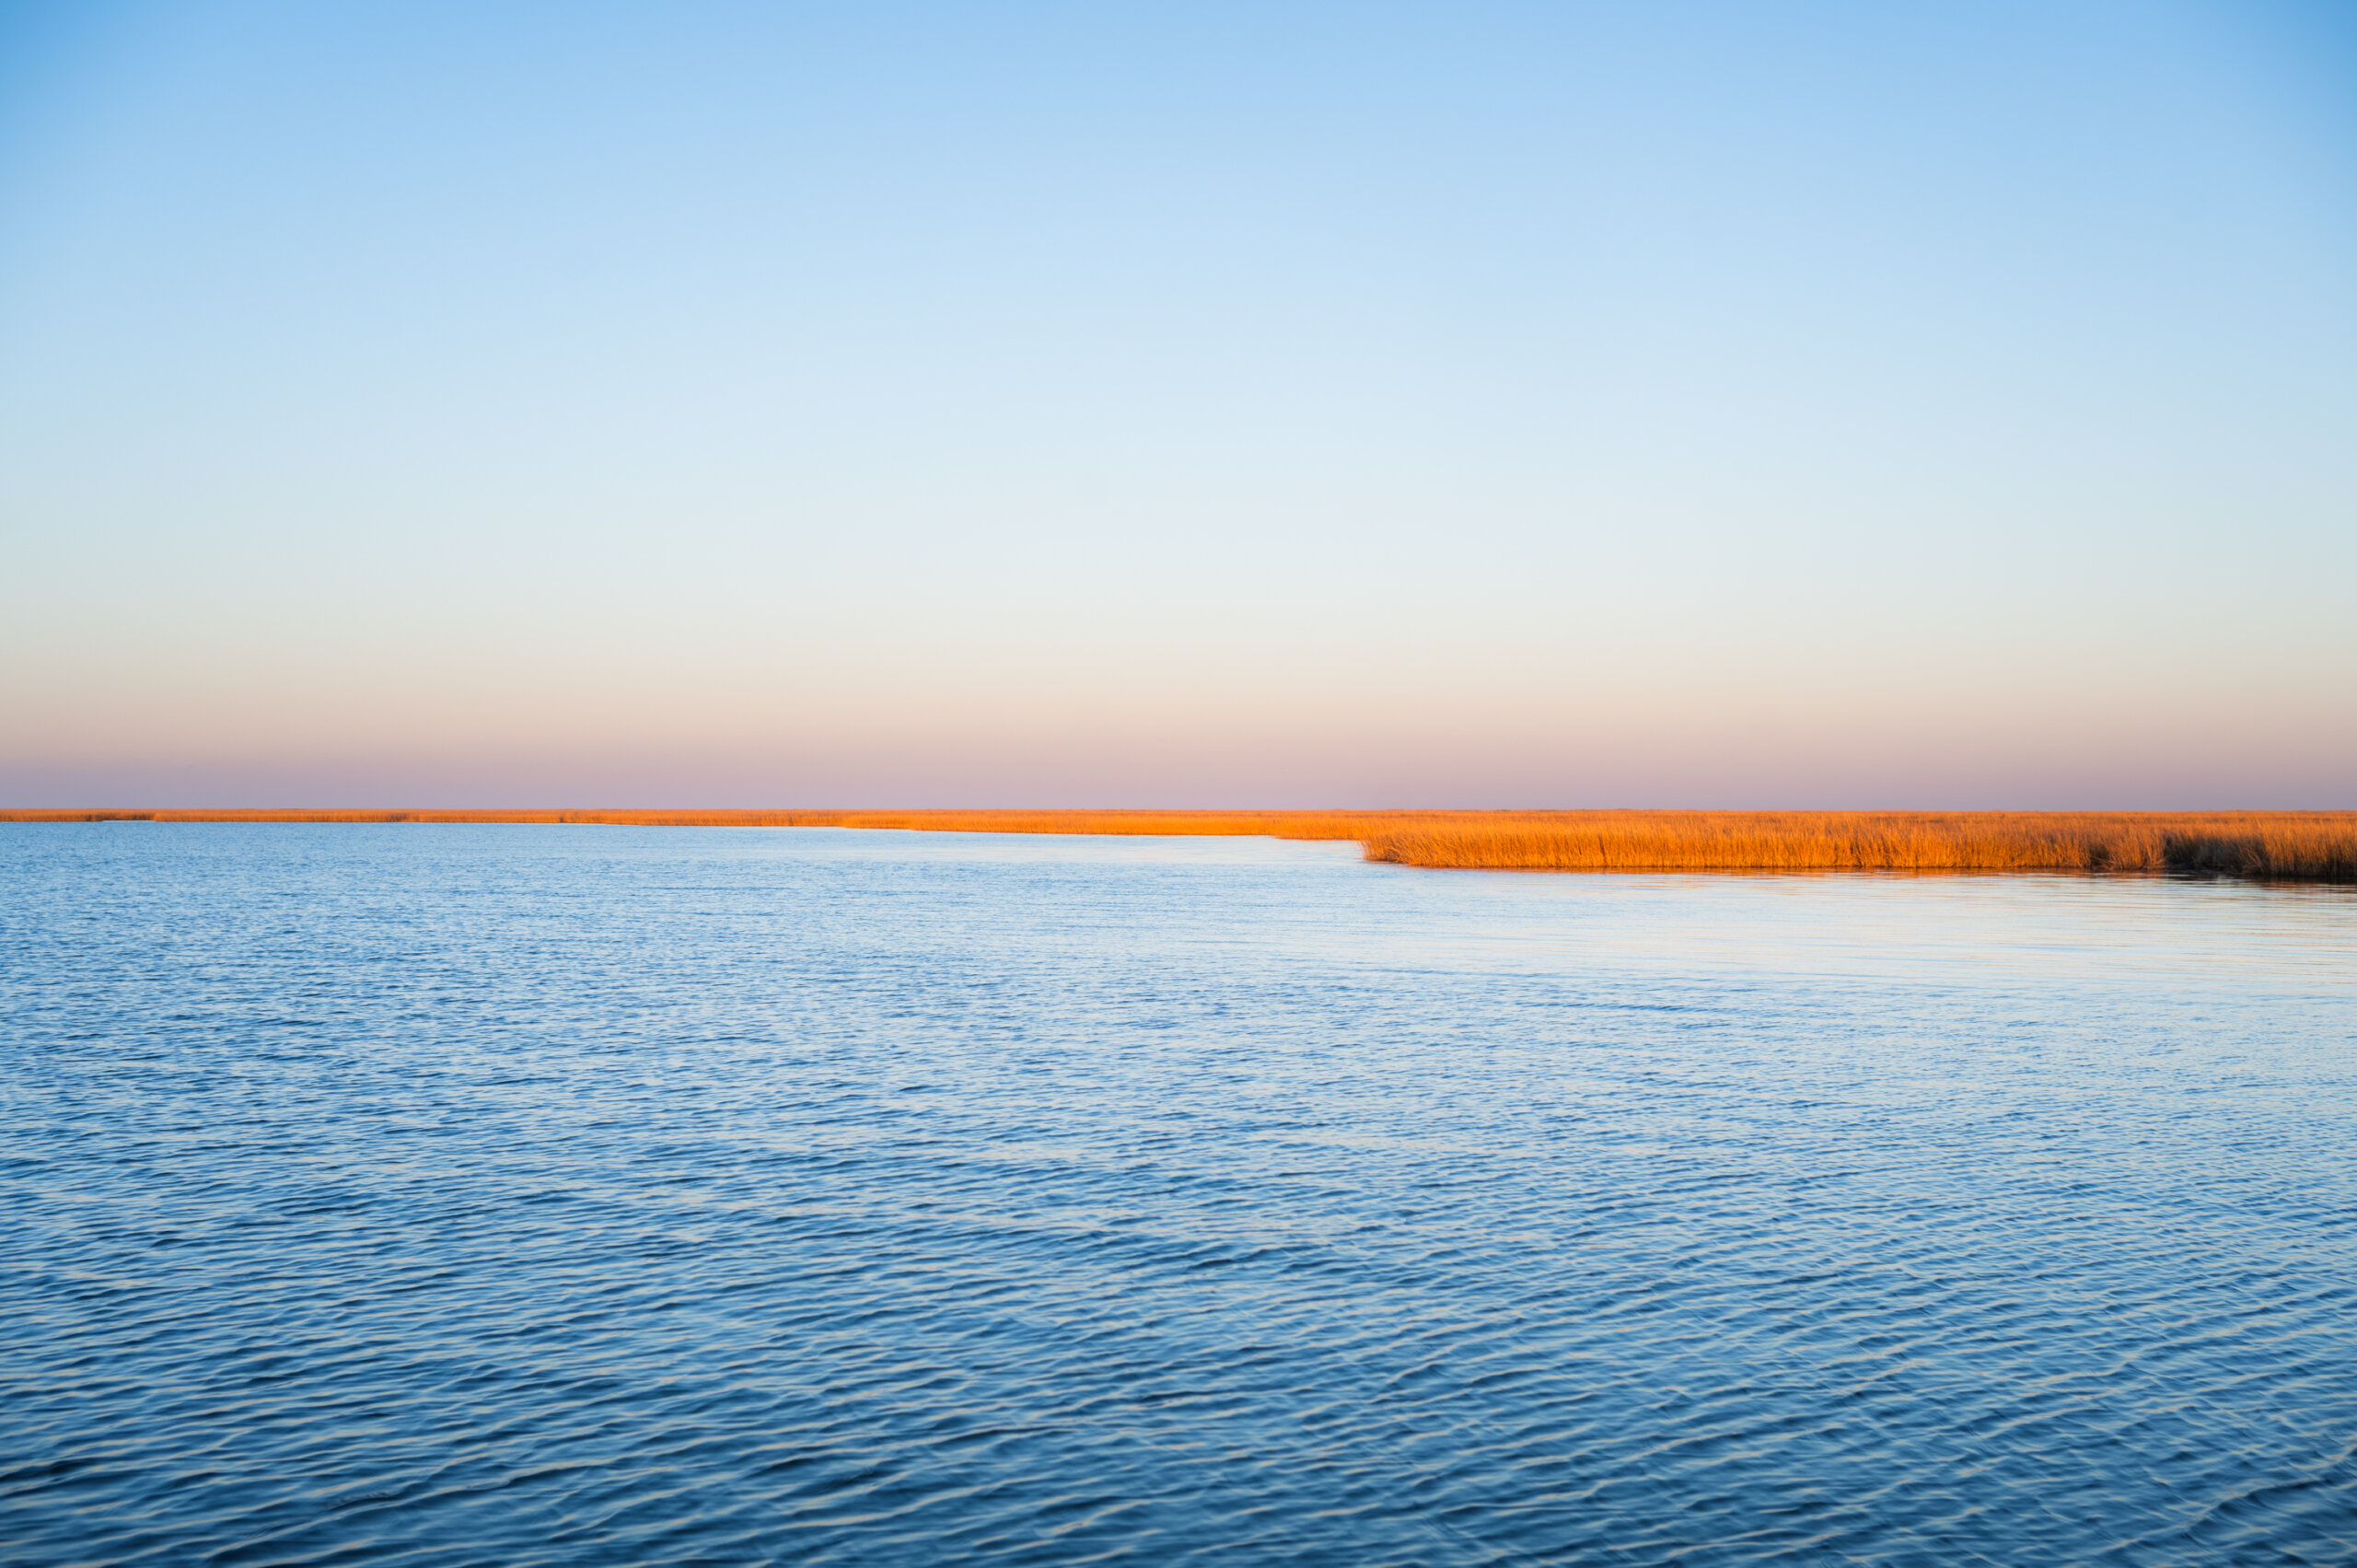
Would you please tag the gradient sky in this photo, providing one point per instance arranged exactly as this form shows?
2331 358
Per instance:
1178 404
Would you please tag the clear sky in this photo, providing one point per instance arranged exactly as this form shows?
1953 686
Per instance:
1178 404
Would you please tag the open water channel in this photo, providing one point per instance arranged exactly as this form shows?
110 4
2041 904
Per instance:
564 1195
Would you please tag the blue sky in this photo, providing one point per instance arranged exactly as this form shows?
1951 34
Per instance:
1178 405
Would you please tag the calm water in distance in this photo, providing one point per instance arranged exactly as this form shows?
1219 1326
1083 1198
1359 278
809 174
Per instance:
560 1195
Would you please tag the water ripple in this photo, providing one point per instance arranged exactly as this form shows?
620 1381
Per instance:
564 1195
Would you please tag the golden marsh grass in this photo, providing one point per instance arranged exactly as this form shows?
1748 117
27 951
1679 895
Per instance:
2319 847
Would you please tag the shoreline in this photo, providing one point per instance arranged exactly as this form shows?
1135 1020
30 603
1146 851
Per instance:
2307 846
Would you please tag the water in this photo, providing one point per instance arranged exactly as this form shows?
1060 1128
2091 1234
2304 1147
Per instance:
577 1195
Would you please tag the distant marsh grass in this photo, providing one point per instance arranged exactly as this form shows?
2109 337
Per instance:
2314 846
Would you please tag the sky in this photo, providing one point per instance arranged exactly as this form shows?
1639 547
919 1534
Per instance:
1186 404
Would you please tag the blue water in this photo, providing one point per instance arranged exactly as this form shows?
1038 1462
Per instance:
600 1195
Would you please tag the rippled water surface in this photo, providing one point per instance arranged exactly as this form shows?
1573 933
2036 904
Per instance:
584 1195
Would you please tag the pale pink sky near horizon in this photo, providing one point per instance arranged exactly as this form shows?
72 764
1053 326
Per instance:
1681 739
1503 405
